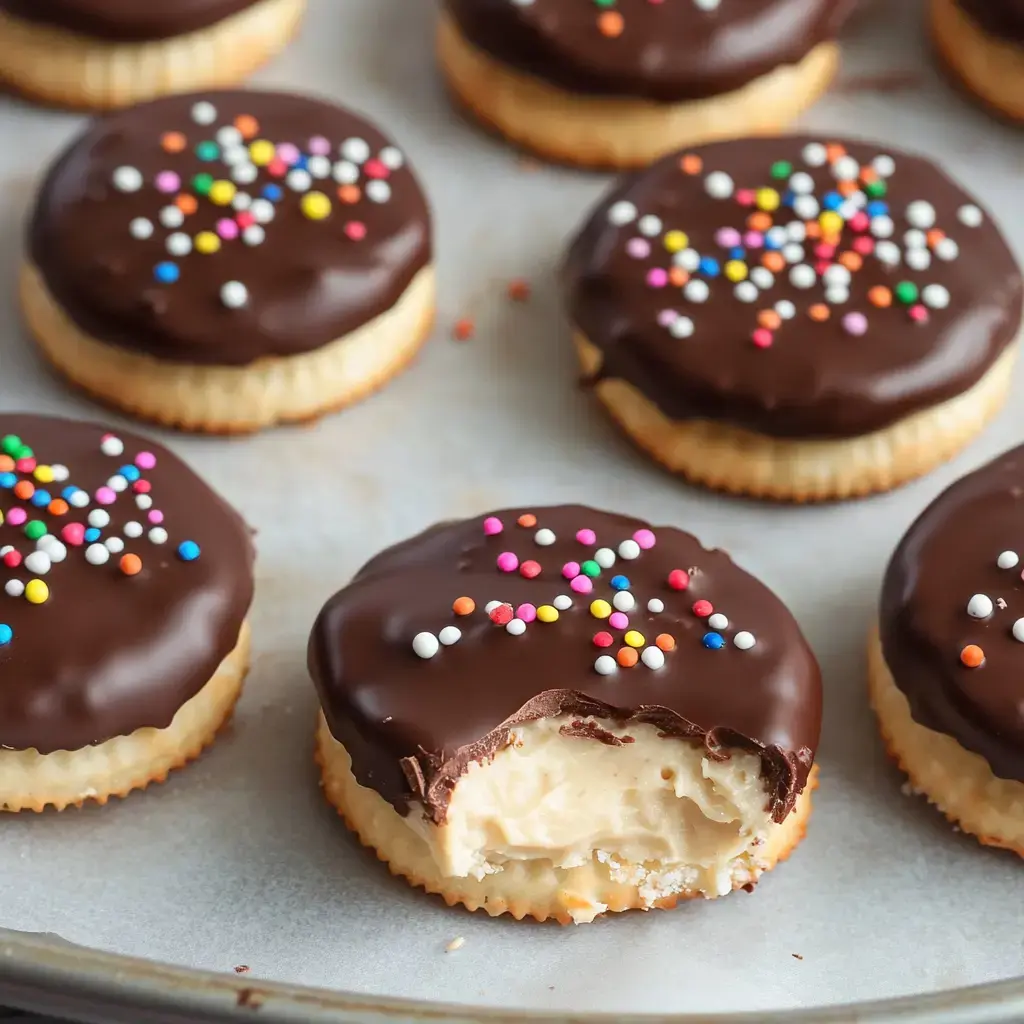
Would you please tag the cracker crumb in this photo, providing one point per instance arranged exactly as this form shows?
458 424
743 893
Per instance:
796 956
519 290
242 969
456 943
464 329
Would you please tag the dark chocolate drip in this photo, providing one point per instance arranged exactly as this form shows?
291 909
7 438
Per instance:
817 379
413 725
1001 18
947 556
308 283
126 20
667 52
109 653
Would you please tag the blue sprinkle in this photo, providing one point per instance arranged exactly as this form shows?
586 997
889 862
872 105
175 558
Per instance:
832 201
738 253
41 499
772 244
788 197
620 582
130 473
713 641
6 634
8 480
301 164
92 534
709 266
166 273
272 192
188 550
877 208
69 492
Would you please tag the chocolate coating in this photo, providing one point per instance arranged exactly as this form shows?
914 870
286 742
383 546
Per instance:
413 725
109 653
667 52
945 558
1001 18
308 283
126 20
816 379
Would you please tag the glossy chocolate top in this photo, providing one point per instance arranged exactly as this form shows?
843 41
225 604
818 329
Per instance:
1001 18
94 648
954 583
794 286
126 20
412 721
674 51
224 227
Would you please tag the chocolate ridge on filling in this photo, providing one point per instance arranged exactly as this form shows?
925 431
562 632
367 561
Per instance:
108 653
948 556
1003 19
412 725
126 21
882 350
101 240
667 52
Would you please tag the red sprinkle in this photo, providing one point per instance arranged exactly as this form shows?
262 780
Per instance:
356 230
25 465
464 329
375 169
702 609
502 615
519 290
73 534
529 569
12 559
603 639
678 579
142 487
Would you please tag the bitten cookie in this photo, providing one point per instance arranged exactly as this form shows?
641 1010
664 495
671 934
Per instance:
795 318
620 83
945 664
123 639
112 53
982 44
560 712
227 261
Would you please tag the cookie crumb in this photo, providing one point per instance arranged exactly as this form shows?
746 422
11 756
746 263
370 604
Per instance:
519 290
796 956
242 969
455 944
464 329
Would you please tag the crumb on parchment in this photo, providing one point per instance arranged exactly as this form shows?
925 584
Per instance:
456 943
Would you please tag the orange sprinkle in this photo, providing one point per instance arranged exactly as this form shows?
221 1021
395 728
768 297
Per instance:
611 24
462 605
774 261
6 464
57 507
527 519
677 277
813 229
349 193
627 657
868 174
769 319
852 260
173 142
759 221
847 188
972 655
464 329
518 290
187 204
247 125
24 490
834 151
934 237
819 312
880 296
665 641
691 164
131 565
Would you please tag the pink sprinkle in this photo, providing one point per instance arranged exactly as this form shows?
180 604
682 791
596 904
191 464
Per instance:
168 181
319 146
571 570
142 486
727 238
645 538
277 168
860 221
73 534
618 620
821 266
582 585
702 609
245 219
227 229
17 516
824 250
288 153
586 536
667 317
25 465
657 277
753 239
865 245
603 639
638 248
373 168
105 496
492 526
855 323
144 460
919 314
746 197
507 562
762 337
155 516
526 612
355 230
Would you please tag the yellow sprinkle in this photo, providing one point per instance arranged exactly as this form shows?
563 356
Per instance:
36 592
547 613
831 223
768 199
600 609
222 192
207 242
44 474
315 205
736 270
1 517
261 152
675 241
634 639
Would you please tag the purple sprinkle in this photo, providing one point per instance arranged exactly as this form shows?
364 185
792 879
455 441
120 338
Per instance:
106 496
145 460
727 238
855 323
638 248
155 516
319 146
168 181
657 277
227 229
288 153
667 317
753 240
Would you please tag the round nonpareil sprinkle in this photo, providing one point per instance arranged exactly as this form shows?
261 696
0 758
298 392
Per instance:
1007 559
449 635
980 606
744 640
426 645
972 656
606 665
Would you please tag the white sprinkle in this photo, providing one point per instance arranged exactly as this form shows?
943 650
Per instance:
605 665
935 296
14 588
649 225
96 554
718 621
846 169
253 235
491 605
133 529
204 112
970 216
762 277
544 537
884 165
229 135
391 157
179 244
979 606
888 253
785 309
801 183
744 640
244 174
234 294
1018 630
114 545
111 445
796 231
706 5
79 499
516 627
117 483
53 547
346 172
234 155
778 236
144 501
947 249
837 274
697 291
319 166
915 239
1007 559
719 185
141 228
171 217
99 518
629 549
60 472
802 276
38 563
450 635
883 226
806 207
921 214
377 191
621 213
158 535
656 606
299 180
849 209
623 601
815 154
837 295
563 602
355 149
604 557
425 645
262 210
919 259
5 549
688 259
127 179
746 291
653 657
793 252
681 327
241 201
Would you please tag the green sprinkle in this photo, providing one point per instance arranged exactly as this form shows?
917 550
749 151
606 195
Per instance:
906 292
876 189
605 3
590 568
782 169
24 452
202 183
10 444
207 151
35 529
